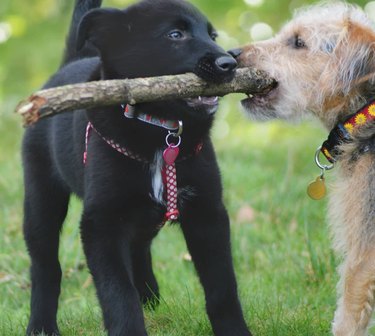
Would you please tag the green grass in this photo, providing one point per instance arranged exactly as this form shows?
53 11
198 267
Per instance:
283 260
285 267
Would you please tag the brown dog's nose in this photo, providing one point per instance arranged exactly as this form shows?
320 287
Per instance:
226 63
235 52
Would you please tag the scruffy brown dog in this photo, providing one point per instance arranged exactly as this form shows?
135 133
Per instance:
324 63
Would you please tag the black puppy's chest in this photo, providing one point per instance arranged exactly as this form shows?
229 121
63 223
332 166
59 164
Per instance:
114 180
139 169
157 188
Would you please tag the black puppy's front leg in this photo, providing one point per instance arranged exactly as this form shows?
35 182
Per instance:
107 240
206 230
144 277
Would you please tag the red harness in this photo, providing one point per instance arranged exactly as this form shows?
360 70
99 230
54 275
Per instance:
169 172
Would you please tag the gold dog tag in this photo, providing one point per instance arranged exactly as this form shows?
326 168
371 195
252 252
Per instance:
317 189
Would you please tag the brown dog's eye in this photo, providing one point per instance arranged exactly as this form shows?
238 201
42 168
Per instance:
299 43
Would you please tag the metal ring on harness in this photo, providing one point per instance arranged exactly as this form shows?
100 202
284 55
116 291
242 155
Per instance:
180 129
171 144
319 164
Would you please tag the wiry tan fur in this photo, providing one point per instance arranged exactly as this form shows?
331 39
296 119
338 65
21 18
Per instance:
331 77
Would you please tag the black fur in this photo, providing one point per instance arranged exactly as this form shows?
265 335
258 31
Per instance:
120 219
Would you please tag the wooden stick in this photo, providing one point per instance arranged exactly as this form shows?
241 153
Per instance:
132 91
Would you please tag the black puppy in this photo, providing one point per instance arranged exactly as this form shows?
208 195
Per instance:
131 163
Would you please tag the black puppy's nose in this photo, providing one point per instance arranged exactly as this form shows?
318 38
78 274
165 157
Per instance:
235 52
226 63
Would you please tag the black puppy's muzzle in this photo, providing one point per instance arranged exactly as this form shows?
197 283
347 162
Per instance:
226 64
216 69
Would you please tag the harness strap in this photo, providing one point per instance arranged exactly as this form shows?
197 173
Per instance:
170 183
111 143
169 172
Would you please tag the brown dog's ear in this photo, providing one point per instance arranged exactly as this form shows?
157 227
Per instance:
356 57
98 25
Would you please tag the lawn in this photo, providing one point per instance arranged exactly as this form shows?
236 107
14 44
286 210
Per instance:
285 267
280 240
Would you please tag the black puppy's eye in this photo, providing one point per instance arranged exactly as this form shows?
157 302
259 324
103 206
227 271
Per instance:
299 43
176 35
214 36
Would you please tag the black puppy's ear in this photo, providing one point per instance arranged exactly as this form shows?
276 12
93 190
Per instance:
97 25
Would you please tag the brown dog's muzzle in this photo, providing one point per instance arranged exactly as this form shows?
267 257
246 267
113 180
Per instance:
243 55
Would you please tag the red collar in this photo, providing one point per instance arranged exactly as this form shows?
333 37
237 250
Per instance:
331 148
343 132
171 125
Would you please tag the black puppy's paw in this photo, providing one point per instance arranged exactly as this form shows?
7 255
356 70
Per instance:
232 328
235 333
33 330
150 297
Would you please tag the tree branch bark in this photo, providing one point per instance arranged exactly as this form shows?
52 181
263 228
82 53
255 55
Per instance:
133 91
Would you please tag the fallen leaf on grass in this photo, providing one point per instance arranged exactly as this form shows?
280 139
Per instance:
245 214
5 277
87 283
186 257
293 225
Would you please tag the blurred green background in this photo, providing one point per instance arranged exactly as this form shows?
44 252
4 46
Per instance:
32 35
285 267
